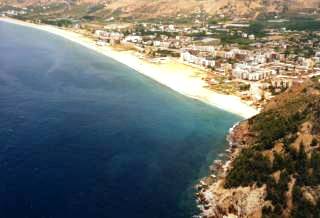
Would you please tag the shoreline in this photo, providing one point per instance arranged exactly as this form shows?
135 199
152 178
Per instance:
179 77
206 200
189 84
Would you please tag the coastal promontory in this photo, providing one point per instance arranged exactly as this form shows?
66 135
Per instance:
274 165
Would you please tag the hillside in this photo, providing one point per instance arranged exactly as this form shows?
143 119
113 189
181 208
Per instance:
148 9
275 169
247 8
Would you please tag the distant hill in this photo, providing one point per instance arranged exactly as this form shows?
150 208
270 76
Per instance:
250 8
173 8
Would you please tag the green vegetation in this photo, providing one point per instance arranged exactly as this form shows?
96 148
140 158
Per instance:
250 167
298 23
272 126
276 194
293 169
58 22
212 21
303 23
315 166
256 28
314 142
298 165
244 87
165 53
303 208
306 51
95 8
227 38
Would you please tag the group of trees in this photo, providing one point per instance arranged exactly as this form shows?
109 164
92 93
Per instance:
249 168
305 171
302 207
292 23
257 28
272 126
58 22
276 194
292 166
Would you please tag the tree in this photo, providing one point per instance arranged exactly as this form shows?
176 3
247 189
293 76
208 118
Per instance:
278 162
314 142
315 165
249 167
256 28
301 166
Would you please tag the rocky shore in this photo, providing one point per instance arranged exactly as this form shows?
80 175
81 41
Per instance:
215 201
273 166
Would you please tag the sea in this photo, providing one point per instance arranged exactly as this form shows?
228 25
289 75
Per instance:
84 136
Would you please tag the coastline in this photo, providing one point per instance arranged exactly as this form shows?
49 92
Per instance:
185 80
211 188
179 77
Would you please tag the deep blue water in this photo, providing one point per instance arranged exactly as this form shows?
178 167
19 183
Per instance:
84 136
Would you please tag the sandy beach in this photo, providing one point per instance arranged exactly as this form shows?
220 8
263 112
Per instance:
177 76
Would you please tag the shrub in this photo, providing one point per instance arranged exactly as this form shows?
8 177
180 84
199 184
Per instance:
272 126
315 165
314 142
249 167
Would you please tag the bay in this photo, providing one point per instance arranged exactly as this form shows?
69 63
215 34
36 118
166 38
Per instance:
82 135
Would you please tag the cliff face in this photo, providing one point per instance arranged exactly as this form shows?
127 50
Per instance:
274 169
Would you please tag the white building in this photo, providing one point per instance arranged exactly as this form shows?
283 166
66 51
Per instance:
252 37
252 73
108 35
203 48
193 59
133 38
162 44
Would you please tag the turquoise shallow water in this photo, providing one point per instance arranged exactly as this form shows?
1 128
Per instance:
84 136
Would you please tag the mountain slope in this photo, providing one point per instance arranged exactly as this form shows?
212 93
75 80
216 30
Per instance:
275 171
173 8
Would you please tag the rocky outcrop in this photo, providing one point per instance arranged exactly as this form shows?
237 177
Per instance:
216 201
273 167
235 202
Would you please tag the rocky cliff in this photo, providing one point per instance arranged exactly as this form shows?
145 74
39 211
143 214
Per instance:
274 166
